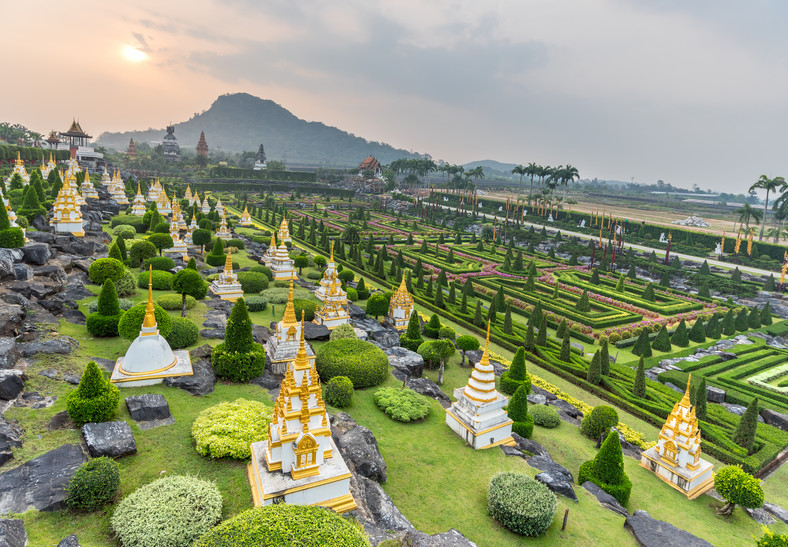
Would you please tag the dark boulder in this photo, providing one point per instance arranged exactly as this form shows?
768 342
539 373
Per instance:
546 463
202 380
12 382
12 533
386 338
212 334
777 419
36 253
359 447
62 345
529 446
650 532
356 312
607 501
260 334
9 354
70 541
376 512
511 451
715 394
149 410
427 387
370 325
450 538
268 380
75 317
567 408
12 317
313 331
40 223
10 438
557 483
776 511
111 439
408 362
23 272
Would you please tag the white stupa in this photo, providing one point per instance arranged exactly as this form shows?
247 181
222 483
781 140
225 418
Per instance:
223 232
149 358
138 206
226 286
282 347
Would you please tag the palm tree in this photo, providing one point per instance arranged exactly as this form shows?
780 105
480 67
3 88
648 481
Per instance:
568 175
765 183
746 214
532 170
520 170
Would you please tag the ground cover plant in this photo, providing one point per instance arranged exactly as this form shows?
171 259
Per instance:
228 429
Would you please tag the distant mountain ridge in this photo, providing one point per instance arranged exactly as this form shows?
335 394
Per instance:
491 164
239 121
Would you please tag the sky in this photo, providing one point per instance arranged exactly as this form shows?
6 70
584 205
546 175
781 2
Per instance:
645 90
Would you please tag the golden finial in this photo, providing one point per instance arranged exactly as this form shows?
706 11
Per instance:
332 251
138 188
87 176
273 239
301 359
685 401
150 315
228 264
290 316
485 360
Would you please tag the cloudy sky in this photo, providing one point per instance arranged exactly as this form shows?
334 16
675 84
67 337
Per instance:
687 92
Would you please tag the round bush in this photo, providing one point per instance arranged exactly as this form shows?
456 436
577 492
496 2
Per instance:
255 303
173 511
131 321
162 281
278 294
283 525
352 294
226 430
163 263
447 333
237 243
140 251
12 238
544 415
174 302
102 325
339 392
236 366
106 268
125 231
599 421
364 363
263 270
614 337
524 428
94 400
126 285
184 333
521 504
346 276
343 331
252 282
94 484
402 405
307 306
314 275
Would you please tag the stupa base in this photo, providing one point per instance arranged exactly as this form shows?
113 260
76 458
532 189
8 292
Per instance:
227 292
329 488
331 322
182 367
480 439
691 483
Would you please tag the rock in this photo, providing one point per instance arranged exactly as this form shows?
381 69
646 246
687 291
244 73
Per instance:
313 331
359 447
546 463
569 409
759 515
737 409
369 325
11 384
557 483
260 334
23 272
450 538
268 380
632 449
12 533
607 501
387 338
529 446
511 451
650 532
107 364
776 511
61 420
74 317
361 334
777 419
356 312
36 253
149 411
41 482
376 511
715 394
40 223
215 319
202 380
9 354
212 334
11 319
70 541
202 352
427 387
536 399
112 439
62 345
536 390
7 269
10 438
408 362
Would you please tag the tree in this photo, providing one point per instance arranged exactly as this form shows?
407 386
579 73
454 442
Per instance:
377 305
648 293
162 241
518 412
701 398
639 387
530 342
662 340
697 332
595 369
477 316
765 183
300 262
742 321
746 214
492 315
583 304
604 358
412 338
189 282
561 330
766 314
320 261
121 243
738 488
464 343
642 346
507 320
728 324
565 348
744 435
680 336
31 206
541 338
201 237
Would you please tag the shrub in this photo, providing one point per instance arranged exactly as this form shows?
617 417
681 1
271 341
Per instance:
606 470
544 415
131 321
226 430
141 251
738 488
238 358
402 404
283 524
364 363
252 282
352 294
162 263
237 243
12 238
518 412
162 281
184 333
278 294
174 302
123 303
770 539
314 276
516 376
216 257
339 391
129 220
124 231
447 333
102 326
127 285
105 321
173 511
94 400
94 484
255 303
307 306
105 268
598 422
521 504
265 270
343 331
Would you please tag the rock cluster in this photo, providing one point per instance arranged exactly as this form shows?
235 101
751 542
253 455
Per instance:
694 221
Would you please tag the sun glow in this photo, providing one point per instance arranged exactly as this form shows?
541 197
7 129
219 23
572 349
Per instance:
133 54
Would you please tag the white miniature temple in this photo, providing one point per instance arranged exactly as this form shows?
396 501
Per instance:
188 195
299 463
400 308
219 208
246 218
270 251
45 170
676 457
177 215
226 286
163 204
138 206
19 169
88 191
154 191
105 180
282 347
280 264
66 215
179 248
284 231
149 358
189 231
478 415
334 311
223 232
205 208
328 274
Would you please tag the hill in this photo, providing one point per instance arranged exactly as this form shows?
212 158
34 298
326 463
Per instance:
491 165
238 122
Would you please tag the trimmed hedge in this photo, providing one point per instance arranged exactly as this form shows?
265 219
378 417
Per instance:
402 404
252 282
131 321
544 416
228 429
599 421
174 302
307 306
255 302
105 268
174 511
521 504
162 263
364 363
606 470
94 484
12 238
238 366
94 400
339 391
184 333
162 281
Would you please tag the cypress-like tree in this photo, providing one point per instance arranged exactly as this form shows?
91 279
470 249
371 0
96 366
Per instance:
736 276
609 461
492 313
507 320
414 326
530 342
565 348
518 412
468 289
769 283
754 318
604 358
642 346
192 264
680 336
665 281
703 291
114 252
530 284
639 387
766 314
428 292
632 274
478 320
464 304
561 330
452 293
108 300
541 338
704 269
410 239
238 332
648 293
500 299
536 314
701 398
620 284
442 282
744 435
583 305
713 327
121 243
662 340
439 297
595 369
595 277
573 259
742 323
518 261
697 333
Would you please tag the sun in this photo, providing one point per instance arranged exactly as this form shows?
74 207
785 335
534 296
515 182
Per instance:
134 55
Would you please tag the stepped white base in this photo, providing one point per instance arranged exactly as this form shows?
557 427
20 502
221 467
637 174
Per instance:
182 367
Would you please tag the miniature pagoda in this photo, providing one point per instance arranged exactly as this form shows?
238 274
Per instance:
299 463
205 208
259 162
19 169
154 191
400 308
334 311
219 208
72 167
246 218
179 248
189 231
66 215
177 215
149 358
138 206
282 347
328 274
226 286
280 264
478 415
105 180
169 144
87 188
49 166
223 232
163 204
10 212
202 146
270 251
132 150
284 231
188 195
676 457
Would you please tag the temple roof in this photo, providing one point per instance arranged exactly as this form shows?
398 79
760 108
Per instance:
75 130
481 385
370 162
402 298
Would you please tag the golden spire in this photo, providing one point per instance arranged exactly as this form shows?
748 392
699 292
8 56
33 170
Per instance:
685 401
138 188
87 176
485 360
273 240
150 316
332 251
301 360
228 264
290 316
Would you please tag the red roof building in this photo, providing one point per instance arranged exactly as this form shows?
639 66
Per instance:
371 163
202 146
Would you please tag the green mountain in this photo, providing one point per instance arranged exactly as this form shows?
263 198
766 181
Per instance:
238 122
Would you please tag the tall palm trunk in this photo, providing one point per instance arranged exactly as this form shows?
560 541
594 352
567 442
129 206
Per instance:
765 208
